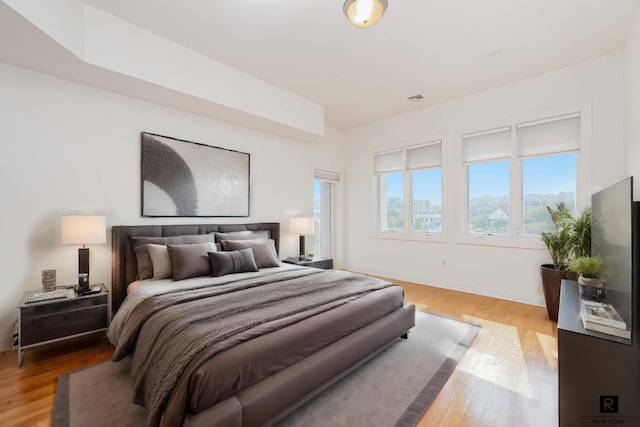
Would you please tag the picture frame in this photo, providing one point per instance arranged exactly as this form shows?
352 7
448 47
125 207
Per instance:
181 178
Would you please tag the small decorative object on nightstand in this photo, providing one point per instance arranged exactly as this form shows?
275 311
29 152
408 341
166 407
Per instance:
48 280
326 264
59 315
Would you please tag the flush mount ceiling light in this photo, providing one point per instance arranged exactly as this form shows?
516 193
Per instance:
364 13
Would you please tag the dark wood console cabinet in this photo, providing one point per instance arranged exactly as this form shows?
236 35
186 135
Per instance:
598 374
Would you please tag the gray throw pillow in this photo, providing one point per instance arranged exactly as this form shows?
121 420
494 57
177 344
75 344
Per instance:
161 261
190 260
145 266
243 235
264 251
223 263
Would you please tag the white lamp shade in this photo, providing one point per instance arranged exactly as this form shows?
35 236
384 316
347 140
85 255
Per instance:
83 229
302 225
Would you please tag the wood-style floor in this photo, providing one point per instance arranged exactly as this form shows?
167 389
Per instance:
508 377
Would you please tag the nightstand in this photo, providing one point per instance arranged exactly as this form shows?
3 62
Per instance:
326 264
45 322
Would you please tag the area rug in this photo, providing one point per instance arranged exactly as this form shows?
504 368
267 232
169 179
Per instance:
395 388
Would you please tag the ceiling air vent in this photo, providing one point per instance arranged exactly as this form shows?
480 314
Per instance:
415 97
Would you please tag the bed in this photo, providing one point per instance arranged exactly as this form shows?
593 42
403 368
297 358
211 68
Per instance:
256 375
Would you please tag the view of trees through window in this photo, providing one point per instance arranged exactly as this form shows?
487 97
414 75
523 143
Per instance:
391 199
489 197
546 181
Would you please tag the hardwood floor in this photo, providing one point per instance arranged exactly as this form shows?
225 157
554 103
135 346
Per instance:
508 377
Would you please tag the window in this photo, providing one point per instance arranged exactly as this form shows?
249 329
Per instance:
426 199
513 173
486 155
323 204
489 198
391 197
547 150
546 181
409 189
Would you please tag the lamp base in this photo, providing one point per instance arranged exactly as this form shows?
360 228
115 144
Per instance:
83 270
301 256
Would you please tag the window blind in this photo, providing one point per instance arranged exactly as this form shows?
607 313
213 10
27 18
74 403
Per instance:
424 156
551 136
327 176
388 161
483 146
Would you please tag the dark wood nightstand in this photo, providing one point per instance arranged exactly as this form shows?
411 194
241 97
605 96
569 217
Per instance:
326 264
60 319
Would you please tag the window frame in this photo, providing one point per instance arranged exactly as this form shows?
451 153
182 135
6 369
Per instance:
516 238
333 198
407 233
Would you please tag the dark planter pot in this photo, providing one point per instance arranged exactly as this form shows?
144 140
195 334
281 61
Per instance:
551 279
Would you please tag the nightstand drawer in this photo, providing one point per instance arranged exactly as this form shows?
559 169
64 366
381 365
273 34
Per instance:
52 307
327 264
41 327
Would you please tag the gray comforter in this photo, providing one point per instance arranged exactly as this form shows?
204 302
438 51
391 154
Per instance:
169 330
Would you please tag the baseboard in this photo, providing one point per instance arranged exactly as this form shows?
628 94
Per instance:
536 300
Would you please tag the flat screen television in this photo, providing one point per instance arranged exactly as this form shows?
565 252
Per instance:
612 238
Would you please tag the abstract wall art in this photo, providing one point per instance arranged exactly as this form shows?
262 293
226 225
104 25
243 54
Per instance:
189 179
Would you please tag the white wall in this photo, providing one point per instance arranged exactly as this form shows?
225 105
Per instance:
69 148
503 272
632 103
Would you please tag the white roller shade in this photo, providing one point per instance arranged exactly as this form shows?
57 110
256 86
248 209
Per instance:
483 146
388 161
424 156
551 136
326 176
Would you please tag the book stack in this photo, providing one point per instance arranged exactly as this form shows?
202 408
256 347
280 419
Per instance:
601 317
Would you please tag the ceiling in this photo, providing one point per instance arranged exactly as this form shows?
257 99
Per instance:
441 49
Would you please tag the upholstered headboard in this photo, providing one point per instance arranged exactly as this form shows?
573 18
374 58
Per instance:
125 266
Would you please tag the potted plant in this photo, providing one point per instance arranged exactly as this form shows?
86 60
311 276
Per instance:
572 237
580 234
589 270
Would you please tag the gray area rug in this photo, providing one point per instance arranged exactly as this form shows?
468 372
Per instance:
395 388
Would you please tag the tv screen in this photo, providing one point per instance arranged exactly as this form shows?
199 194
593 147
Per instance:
611 230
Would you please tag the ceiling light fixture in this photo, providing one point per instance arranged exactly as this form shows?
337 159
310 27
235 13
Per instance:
364 13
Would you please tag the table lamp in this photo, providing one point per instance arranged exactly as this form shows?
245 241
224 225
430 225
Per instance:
302 226
83 230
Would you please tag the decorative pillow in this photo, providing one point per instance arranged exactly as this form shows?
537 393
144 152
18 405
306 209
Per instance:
161 261
191 260
223 263
264 251
145 266
243 235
